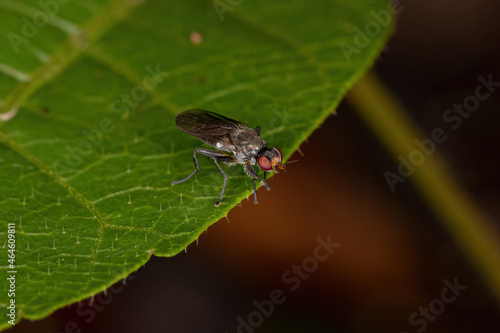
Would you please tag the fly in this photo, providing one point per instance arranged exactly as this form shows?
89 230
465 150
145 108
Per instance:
231 136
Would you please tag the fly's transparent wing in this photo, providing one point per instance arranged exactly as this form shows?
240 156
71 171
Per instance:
205 124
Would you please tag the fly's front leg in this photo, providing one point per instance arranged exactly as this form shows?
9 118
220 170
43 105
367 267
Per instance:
250 170
265 181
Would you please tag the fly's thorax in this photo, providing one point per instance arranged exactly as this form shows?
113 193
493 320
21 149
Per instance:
246 155
247 136
224 146
248 151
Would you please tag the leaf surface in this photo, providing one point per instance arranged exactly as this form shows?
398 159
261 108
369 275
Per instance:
88 160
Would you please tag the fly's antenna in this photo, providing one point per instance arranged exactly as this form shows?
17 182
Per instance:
289 162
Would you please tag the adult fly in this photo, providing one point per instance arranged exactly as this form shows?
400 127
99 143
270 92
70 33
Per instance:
231 136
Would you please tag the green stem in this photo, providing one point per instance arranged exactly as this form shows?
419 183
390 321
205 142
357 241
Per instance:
387 119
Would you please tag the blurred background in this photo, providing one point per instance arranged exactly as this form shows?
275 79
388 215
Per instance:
394 254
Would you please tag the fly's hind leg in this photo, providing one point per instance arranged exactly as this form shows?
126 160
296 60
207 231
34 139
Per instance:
197 168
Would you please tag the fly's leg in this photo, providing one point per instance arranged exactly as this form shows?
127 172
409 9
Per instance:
226 159
217 157
197 168
265 181
251 172
223 185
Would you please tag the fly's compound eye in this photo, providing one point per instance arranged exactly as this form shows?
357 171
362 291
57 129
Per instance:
264 163
279 152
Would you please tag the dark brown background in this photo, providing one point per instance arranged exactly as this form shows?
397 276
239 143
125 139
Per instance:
394 253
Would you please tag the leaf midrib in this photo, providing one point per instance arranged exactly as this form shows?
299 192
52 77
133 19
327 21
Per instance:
71 49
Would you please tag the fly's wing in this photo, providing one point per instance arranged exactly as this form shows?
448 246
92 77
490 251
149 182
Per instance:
210 127
201 123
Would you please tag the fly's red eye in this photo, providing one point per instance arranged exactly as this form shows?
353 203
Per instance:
264 163
279 152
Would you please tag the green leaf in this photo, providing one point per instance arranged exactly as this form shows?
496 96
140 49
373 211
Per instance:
88 159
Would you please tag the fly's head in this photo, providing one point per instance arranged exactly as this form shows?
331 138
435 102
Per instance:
270 160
